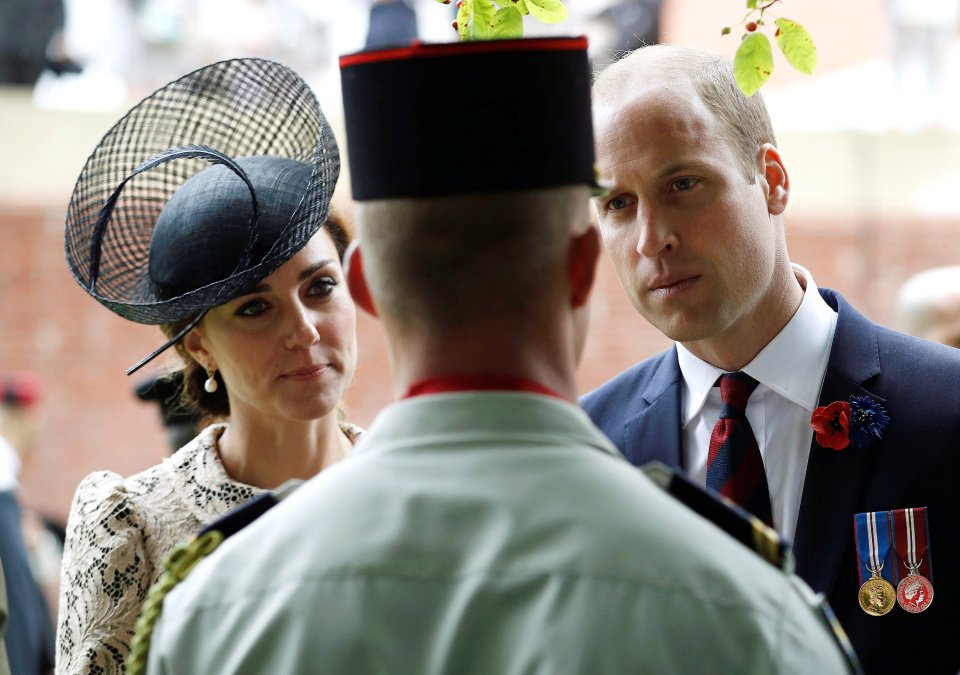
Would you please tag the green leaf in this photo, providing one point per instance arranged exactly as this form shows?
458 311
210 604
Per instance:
751 4
507 24
481 16
548 11
797 45
484 9
753 63
464 18
478 30
520 5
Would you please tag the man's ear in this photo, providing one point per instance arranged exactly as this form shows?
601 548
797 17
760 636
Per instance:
194 344
356 281
776 177
584 255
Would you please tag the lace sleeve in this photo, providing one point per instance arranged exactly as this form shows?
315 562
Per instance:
104 579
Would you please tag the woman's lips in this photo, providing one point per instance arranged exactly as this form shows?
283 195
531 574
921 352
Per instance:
307 373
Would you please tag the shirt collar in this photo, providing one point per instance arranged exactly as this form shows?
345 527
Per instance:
422 422
792 364
9 466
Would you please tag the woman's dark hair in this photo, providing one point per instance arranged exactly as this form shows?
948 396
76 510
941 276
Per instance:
217 405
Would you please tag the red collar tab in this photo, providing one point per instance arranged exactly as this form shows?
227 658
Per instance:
450 383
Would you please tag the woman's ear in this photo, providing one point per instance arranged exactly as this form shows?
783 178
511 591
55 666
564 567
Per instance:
777 179
356 281
193 342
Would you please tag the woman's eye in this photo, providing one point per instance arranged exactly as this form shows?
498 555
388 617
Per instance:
683 184
252 308
322 287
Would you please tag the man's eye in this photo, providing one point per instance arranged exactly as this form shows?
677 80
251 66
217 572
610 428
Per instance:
252 308
322 287
682 184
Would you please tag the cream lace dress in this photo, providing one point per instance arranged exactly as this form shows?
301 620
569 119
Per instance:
118 533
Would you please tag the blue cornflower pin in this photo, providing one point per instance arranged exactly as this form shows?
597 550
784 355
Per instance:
868 419
857 421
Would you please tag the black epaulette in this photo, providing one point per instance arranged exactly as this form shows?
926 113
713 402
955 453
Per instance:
239 517
839 635
183 558
752 533
728 516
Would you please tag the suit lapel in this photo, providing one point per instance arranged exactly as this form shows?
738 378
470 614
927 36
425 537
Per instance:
835 479
654 434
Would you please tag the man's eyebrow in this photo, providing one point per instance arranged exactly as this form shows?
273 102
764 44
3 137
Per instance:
678 167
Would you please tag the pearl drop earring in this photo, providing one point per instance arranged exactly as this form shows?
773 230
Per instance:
210 385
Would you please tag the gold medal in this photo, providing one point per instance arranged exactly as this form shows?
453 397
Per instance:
877 596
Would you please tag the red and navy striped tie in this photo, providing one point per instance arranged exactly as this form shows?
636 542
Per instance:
734 465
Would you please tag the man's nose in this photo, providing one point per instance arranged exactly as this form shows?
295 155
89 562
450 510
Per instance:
655 236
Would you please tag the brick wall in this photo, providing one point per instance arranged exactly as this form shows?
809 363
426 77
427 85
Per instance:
90 420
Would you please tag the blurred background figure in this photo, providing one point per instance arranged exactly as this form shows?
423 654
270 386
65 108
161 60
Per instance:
922 37
179 420
392 22
928 305
29 635
31 40
622 26
4 663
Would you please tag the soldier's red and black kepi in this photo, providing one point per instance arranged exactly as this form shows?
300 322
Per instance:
433 139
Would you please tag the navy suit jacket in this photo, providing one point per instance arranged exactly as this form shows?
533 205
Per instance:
914 464
29 637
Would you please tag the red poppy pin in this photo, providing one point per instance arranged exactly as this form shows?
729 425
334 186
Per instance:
857 422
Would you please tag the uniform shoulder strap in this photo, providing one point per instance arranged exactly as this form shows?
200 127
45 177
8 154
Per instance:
725 514
184 557
755 535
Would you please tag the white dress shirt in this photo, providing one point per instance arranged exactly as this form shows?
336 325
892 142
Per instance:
9 466
790 370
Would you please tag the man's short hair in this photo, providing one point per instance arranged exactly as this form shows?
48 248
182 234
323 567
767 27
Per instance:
744 120
441 261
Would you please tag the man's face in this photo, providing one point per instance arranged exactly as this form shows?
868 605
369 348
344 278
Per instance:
689 234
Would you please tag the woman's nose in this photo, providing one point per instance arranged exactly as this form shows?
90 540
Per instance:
302 331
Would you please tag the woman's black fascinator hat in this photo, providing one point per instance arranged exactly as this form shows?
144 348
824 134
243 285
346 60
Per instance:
202 190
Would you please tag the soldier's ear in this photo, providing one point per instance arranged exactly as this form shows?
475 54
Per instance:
584 255
356 281
777 180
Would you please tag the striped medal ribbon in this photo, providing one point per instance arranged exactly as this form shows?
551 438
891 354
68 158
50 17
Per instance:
872 530
915 591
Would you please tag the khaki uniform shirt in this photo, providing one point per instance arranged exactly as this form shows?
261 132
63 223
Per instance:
487 533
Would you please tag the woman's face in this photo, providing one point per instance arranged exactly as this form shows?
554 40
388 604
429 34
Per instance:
287 349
